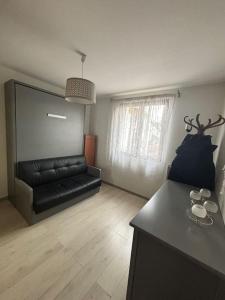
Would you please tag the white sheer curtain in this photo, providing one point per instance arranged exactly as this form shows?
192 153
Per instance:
138 134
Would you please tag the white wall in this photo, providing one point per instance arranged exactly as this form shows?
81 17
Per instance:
6 74
207 100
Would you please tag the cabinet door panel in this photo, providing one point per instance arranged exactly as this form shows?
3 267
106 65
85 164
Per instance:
161 273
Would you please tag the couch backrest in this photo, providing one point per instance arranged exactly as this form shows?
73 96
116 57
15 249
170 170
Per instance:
37 172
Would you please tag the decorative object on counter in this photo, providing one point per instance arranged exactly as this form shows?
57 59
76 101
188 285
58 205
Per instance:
195 195
193 163
199 211
205 193
211 206
199 197
207 221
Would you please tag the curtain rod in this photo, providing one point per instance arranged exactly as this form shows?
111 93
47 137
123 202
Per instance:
146 95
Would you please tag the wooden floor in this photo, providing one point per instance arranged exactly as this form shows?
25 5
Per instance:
82 252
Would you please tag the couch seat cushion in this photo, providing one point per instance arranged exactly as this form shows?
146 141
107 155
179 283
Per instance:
86 180
49 195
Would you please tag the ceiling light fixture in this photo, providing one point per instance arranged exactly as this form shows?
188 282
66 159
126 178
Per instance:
80 90
56 116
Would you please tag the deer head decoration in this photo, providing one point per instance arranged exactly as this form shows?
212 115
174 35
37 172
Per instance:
201 128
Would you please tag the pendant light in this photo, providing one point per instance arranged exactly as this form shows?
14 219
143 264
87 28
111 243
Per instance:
80 90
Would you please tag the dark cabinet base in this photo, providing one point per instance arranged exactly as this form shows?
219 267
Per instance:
159 272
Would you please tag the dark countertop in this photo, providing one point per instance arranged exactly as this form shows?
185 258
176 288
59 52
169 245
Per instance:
164 217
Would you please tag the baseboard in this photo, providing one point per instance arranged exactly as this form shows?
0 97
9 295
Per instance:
125 190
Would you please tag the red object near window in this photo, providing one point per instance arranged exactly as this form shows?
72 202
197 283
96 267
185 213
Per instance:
89 149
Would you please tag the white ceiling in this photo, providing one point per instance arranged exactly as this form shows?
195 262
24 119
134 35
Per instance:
130 44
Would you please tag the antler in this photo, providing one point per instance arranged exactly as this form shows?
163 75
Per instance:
189 122
219 122
197 120
200 127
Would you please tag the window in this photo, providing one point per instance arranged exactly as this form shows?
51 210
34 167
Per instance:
138 129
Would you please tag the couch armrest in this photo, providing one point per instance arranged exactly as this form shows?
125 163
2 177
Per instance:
96 172
24 199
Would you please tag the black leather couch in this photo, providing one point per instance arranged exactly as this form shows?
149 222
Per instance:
54 182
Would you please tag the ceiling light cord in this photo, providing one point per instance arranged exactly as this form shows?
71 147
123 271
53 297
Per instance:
82 72
83 57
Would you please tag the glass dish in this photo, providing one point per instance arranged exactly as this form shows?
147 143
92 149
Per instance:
207 221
